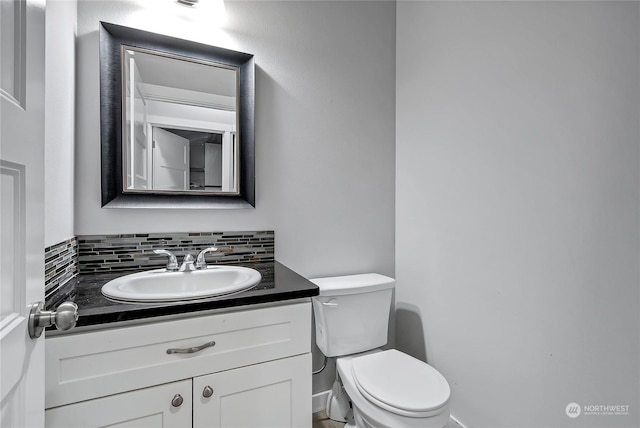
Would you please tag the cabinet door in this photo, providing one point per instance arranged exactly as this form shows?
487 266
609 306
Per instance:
143 408
275 394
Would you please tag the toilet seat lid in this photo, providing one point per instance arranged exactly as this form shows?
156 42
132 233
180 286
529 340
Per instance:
400 383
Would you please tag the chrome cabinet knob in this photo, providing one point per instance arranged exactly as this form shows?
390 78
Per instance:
64 318
177 400
207 391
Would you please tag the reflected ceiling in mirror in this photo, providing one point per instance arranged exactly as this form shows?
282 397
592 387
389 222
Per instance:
176 122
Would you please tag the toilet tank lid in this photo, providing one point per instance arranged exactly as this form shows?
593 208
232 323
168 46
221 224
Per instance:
353 284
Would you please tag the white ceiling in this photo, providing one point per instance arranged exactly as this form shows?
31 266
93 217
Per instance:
184 74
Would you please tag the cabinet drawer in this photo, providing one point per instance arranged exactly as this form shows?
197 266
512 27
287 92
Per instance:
94 364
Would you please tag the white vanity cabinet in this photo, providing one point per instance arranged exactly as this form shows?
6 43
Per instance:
257 374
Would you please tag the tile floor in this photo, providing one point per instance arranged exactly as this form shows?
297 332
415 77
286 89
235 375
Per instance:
320 420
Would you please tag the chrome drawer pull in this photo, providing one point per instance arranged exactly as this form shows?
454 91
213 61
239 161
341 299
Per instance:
191 350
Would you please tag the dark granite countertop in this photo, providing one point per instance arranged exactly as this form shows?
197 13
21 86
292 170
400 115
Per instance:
279 283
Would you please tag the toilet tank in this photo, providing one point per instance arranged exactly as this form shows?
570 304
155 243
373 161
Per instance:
352 313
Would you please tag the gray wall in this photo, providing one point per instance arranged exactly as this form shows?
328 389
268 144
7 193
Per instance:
518 205
324 128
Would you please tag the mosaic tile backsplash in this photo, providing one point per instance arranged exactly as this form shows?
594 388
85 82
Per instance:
132 252
60 264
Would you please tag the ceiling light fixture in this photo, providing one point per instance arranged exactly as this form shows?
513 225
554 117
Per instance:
207 13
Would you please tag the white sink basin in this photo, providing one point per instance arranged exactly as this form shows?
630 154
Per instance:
162 286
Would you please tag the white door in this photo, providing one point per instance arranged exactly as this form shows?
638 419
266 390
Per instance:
170 161
139 147
22 27
229 162
137 152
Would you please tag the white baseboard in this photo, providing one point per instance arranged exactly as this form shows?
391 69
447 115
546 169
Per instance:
319 401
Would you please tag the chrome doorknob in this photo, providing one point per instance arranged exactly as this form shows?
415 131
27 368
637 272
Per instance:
64 318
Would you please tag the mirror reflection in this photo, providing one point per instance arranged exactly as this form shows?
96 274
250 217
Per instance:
179 124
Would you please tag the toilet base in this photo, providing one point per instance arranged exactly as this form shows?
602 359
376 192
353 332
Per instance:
338 408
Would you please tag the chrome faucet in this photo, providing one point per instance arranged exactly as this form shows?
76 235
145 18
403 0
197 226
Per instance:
201 263
172 266
187 264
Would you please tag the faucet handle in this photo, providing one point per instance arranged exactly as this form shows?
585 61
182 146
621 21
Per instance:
172 266
187 264
201 263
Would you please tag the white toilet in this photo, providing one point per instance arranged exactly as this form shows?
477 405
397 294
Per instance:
386 388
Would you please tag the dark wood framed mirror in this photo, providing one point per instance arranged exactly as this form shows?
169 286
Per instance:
160 95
